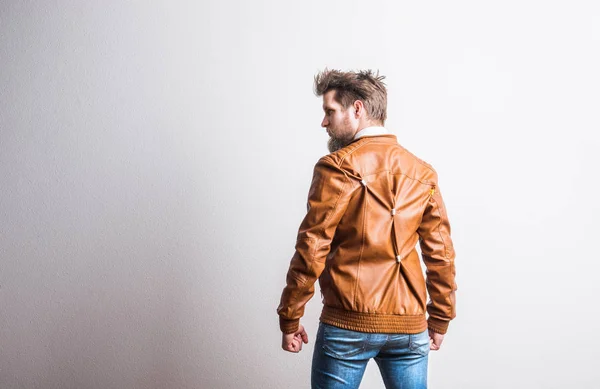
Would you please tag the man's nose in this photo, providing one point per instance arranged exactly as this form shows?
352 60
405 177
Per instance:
324 123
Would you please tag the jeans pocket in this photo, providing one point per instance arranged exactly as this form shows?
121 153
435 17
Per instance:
341 343
419 343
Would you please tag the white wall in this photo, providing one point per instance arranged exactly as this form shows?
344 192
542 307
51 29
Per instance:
155 159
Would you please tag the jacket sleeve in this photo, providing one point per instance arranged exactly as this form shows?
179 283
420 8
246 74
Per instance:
327 202
438 256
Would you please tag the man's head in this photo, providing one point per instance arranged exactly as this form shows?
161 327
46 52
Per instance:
351 101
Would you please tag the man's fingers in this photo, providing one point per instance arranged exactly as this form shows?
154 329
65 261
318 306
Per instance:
435 340
293 342
291 347
304 336
297 345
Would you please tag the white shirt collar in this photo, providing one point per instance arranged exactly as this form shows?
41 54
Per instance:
374 130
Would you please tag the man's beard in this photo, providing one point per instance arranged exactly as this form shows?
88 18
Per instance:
334 144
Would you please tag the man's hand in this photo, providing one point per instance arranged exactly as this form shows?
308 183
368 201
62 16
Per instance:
293 342
435 340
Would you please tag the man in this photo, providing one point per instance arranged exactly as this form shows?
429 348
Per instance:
369 204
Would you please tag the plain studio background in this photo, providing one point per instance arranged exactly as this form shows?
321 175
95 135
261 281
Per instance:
155 159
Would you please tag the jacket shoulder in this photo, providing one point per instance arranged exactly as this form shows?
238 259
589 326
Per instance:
392 156
423 171
339 157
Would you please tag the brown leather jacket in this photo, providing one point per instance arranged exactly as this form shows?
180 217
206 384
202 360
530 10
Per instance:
368 206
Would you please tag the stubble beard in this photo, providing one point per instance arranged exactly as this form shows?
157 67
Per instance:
334 144
338 142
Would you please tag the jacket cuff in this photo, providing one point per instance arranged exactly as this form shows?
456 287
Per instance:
288 326
436 325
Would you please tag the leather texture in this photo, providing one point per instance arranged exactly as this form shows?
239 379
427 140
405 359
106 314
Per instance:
369 205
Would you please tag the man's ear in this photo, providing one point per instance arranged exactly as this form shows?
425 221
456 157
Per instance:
359 108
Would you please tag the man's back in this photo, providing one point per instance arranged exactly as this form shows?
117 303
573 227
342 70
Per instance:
369 204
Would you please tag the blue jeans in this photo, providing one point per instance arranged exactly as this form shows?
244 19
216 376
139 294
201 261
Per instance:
341 356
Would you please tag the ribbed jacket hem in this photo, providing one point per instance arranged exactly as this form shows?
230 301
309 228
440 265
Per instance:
374 322
289 326
436 325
